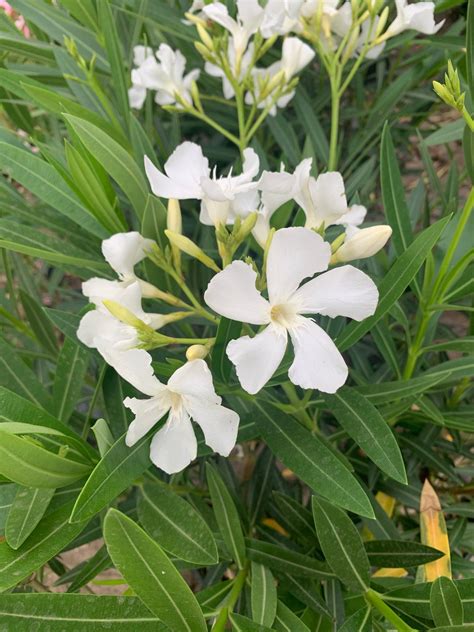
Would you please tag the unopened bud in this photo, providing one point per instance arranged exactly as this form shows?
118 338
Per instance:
246 226
190 248
206 39
382 22
365 243
196 97
173 219
123 314
204 52
196 352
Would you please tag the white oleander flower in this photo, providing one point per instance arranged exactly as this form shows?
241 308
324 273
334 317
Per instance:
281 17
418 16
363 243
116 341
238 72
163 73
188 177
188 395
294 57
246 24
294 255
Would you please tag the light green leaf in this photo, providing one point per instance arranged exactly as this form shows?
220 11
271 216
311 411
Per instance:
342 545
115 160
263 595
118 468
152 576
244 624
103 436
365 425
28 464
26 511
226 515
50 537
311 460
176 525
446 604
71 613
395 282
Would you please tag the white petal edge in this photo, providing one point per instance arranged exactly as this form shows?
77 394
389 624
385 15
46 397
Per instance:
148 412
174 446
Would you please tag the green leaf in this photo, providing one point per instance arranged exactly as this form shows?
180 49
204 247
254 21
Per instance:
151 575
40 324
363 422
115 55
468 627
307 592
446 604
470 48
468 147
287 621
28 464
111 476
342 545
99 562
227 516
26 511
7 496
103 436
311 460
50 537
393 195
395 282
67 323
360 621
18 377
385 392
115 160
263 595
42 180
113 400
71 613
176 525
221 365
244 624
400 553
283 560
58 25
71 370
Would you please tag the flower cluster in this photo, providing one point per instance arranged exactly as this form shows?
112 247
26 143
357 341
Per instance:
124 333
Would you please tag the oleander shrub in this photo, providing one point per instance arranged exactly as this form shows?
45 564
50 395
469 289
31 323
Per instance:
237 339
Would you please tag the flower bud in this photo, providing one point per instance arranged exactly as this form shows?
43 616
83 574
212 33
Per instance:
365 243
204 52
123 314
196 352
173 220
190 248
206 39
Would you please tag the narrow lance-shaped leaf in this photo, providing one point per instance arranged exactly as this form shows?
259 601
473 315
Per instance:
227 516
152 576
311 460
176 525
399 553
221 365
39 322
446 604
395 282
70 613
26 511
263 595
69 378
342 545
365 425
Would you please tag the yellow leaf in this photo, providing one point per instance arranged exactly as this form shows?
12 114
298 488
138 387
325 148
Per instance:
386 502
276 526
391 572
434 533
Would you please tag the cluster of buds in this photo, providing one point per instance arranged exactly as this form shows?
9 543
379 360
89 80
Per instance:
450 91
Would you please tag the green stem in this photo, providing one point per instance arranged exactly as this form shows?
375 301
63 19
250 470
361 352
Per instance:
379 604
335 104
221 620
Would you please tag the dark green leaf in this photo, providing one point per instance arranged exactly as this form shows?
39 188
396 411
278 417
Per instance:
342 545
176 525
446 604
263 595
221 366
284 560
360 621
69 378
152 576
399 553
311 460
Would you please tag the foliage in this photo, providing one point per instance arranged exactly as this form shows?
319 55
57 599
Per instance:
319 519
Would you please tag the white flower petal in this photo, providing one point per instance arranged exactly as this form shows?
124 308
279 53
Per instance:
256 359
123 251
97 289
232 293
140 53
174 446
295 56
184 168
219 424
136 96
134 365
344 291
318 363
148 412
277 189
329 197
354 216
194 379
295 254
217 12
94 323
